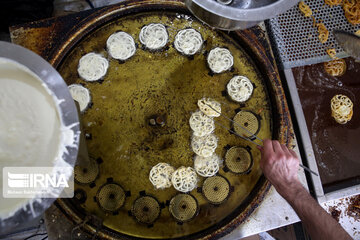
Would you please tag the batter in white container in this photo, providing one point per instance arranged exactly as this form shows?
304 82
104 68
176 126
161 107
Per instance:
29 120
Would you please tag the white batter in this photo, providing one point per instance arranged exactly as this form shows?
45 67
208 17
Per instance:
121 45
154 36
29 120
188 41
220 60
92 67
207 166
240 88
81 95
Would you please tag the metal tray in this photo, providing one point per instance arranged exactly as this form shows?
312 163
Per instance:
329 156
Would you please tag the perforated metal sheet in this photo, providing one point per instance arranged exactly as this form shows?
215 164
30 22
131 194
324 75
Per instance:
110 197
247 120
216 189
183 207
146 209
297 39
88 174
238 160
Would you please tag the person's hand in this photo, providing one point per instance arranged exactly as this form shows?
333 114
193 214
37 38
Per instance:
280 165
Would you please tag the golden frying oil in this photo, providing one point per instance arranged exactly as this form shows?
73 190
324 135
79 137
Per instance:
168 84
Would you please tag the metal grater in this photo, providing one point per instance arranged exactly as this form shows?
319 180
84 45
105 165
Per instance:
183 207
297 40
216 189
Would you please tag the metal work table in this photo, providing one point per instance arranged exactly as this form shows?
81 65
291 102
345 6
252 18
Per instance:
308 148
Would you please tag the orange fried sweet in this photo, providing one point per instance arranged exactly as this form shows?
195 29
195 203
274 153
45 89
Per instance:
335 67
331 52
341 108
323 32
352 11
305 9
333 2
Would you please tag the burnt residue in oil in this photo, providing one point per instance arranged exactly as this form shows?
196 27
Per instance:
157 120
159 135
88 136
152 122
335 145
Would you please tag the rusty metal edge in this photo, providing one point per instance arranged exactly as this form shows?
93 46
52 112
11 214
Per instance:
249 37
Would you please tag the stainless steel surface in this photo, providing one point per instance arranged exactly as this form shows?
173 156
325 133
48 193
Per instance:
239 14
56 84
349 42
297 39
308 149
226 2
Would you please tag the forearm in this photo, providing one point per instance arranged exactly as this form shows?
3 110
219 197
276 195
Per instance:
318 223
280 165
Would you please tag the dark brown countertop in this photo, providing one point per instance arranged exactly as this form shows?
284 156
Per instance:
336 146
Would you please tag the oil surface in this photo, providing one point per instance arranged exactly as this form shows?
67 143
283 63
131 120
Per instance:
169 84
